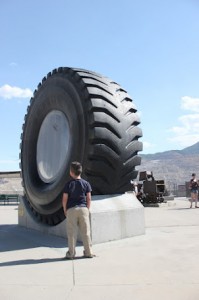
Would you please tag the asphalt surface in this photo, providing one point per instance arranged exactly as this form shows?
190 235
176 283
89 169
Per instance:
162 264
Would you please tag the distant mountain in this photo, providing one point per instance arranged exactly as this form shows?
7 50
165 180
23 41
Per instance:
194 149
174 166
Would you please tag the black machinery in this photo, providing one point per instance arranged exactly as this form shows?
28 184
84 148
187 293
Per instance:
148 189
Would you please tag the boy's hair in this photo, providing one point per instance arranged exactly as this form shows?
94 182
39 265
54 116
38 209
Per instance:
76 168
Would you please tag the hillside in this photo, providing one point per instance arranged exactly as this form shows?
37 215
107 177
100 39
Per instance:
175 166
10 183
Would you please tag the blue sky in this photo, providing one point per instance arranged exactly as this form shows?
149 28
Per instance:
150 47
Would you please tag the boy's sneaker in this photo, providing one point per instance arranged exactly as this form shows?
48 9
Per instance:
69 256
89 255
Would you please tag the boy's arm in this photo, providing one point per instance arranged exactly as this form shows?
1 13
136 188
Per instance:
64 202
88 200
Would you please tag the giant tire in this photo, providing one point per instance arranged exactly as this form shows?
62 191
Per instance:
77 115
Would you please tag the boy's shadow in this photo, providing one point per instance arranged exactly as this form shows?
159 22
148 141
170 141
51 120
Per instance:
37 261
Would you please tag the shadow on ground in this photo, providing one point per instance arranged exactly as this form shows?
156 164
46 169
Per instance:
29 262
15 237
37 261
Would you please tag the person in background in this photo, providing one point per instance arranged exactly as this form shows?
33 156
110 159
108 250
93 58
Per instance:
193 185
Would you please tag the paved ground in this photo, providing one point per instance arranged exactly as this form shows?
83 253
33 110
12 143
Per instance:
162 264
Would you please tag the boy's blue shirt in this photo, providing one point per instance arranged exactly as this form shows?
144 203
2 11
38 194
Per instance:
77 190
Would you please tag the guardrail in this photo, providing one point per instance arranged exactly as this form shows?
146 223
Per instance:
9 198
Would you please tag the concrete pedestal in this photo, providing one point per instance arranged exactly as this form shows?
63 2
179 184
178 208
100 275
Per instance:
112 217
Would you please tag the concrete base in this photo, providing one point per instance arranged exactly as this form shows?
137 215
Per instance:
112 217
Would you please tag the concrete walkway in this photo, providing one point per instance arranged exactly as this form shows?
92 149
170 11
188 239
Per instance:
162 264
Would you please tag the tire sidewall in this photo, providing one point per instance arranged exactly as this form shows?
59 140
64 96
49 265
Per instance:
55 94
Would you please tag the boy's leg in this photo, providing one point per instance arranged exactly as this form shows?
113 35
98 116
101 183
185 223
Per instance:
84 226
71 223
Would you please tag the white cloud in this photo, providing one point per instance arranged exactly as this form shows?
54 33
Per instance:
147 146
190 122
189 103
185 140
188 133
8 92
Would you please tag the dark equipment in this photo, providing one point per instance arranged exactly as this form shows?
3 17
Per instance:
150 190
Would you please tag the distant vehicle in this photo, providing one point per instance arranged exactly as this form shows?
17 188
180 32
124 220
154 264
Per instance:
148 190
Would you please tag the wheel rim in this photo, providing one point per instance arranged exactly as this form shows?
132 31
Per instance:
52 146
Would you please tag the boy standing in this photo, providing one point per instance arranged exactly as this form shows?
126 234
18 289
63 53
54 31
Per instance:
76 203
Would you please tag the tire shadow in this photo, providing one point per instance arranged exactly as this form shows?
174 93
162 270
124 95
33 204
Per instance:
15 237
